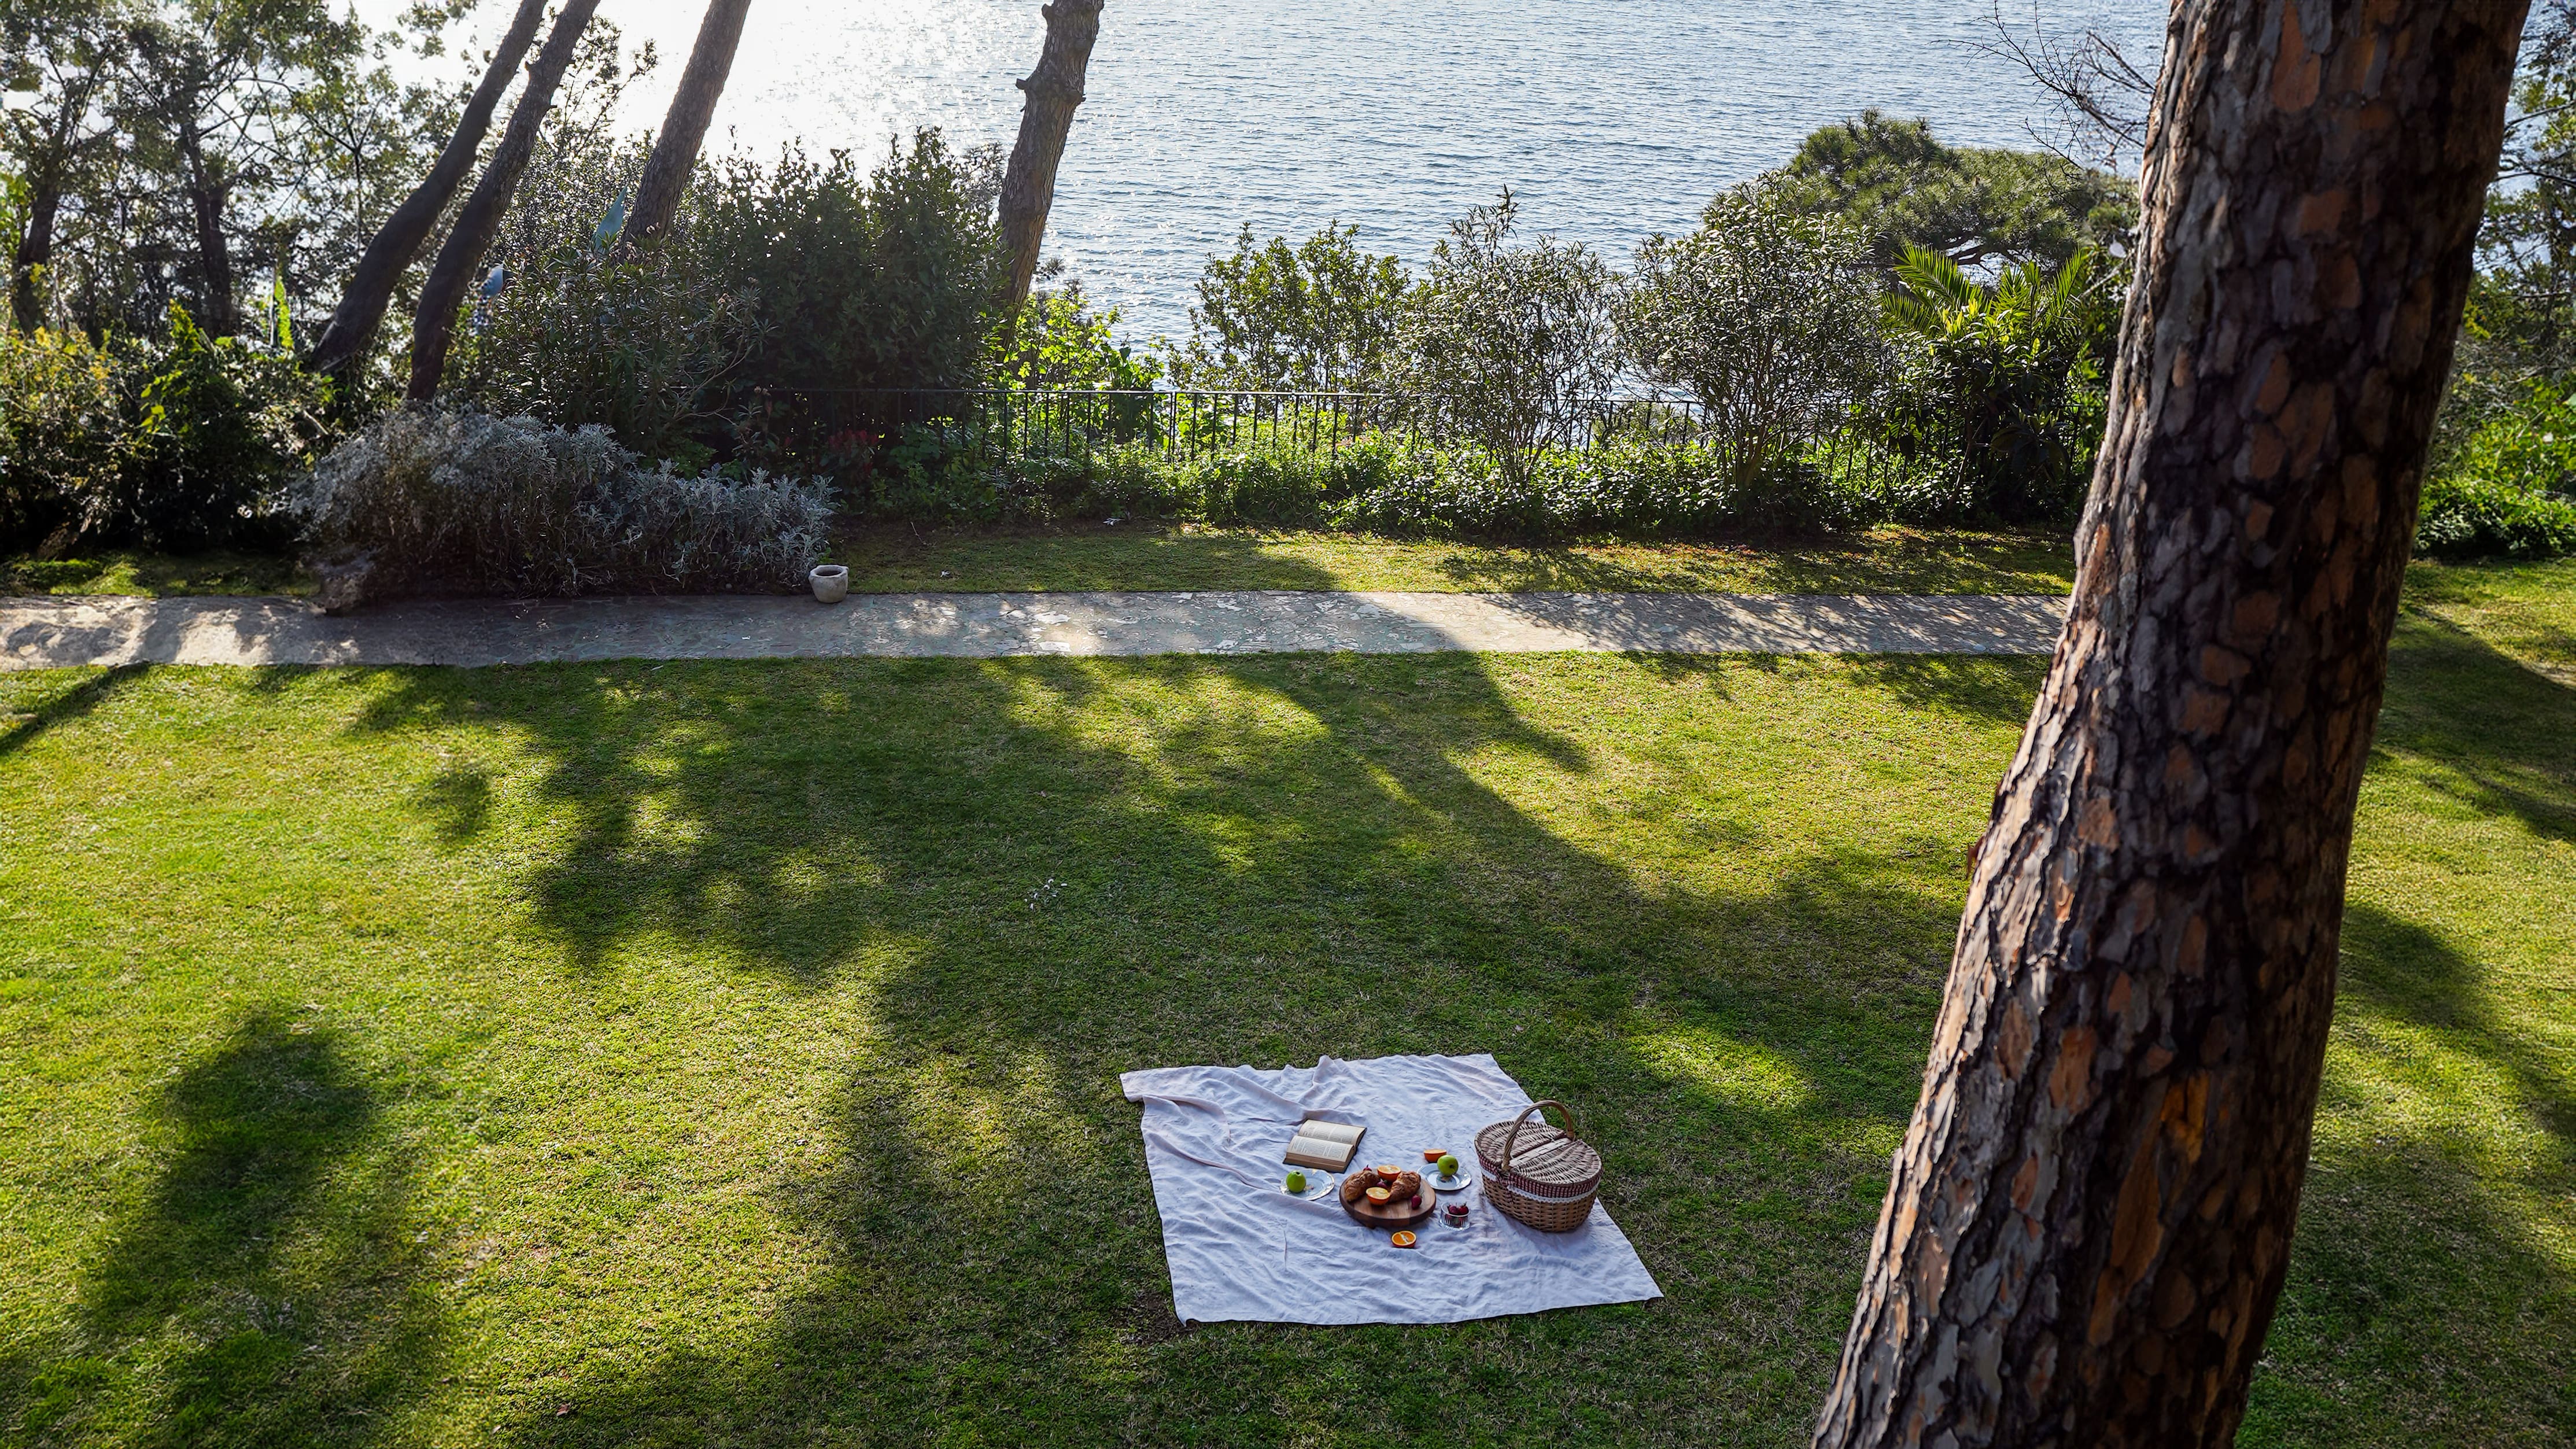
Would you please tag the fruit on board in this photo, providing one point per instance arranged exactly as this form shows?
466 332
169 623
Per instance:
1379 1195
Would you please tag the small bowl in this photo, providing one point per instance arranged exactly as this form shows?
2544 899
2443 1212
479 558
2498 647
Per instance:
831 583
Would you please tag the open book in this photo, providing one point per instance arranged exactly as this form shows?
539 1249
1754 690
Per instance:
1328 1145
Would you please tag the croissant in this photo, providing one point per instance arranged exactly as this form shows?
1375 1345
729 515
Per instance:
1405 1187
1356 1186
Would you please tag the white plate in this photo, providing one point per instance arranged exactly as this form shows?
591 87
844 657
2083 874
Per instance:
1455 1184
1317 1185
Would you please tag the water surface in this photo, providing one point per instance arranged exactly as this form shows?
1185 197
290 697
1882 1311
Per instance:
1610 119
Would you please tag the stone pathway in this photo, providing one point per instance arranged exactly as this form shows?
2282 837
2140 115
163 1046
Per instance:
38 633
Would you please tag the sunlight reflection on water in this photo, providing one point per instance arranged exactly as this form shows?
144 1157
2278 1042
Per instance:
1611 118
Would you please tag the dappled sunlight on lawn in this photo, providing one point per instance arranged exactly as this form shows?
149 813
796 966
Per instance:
729 1051
1152 555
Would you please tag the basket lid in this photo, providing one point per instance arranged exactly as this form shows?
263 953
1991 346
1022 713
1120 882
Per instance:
1543 1156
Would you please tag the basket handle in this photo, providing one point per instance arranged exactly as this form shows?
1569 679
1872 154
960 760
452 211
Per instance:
1572 1128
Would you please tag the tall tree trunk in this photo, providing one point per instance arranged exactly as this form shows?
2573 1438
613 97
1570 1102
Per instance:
684 127
214 252
2089 1219
35 250
434 321
371 285
1046 117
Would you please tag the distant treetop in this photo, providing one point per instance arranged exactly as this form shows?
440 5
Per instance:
1981 207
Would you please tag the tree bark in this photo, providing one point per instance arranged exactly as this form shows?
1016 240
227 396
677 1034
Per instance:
684 126
1046 117
2088 1223
35 250
434 322
206 197
371 284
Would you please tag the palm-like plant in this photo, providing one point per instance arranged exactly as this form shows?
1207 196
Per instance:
1936 299
2002 399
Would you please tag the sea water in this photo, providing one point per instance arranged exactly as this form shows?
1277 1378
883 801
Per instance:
1609 119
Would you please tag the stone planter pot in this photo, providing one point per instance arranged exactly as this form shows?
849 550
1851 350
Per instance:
831 583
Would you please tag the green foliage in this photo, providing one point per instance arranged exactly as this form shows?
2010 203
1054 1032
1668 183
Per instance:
63 427
1975 205
2524 304
1633 489
183 445
1058 343
223 427
2510 488
801 275
1322 316
644 347
1998 399
1504 343
1765 315
863 279
2467 516
205 150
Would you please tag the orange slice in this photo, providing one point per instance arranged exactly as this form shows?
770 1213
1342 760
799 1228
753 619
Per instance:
1378 1195
1434 1154
1402 1240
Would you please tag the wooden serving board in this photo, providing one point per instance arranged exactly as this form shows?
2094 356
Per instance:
1395 1214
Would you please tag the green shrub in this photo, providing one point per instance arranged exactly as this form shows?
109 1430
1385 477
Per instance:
466 503
1998 404
2510 486
222 428
64 434
2472 517
774 281
183 445
1377 484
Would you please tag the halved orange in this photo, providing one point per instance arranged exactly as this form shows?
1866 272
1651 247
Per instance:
1402 1240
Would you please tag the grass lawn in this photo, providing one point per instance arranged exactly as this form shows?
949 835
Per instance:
728 1052
1188 556
1191 556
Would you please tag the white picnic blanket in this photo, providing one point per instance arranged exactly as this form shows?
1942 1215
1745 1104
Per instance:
1240 1248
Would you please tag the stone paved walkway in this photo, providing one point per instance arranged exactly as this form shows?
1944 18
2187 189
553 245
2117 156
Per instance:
38 633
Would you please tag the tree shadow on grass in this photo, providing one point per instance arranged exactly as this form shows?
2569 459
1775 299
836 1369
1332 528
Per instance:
1891 562
2479 727
72 702
259 1278
2423 1295
1048 872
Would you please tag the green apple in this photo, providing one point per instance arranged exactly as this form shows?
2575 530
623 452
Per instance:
1448 1166
1296 1181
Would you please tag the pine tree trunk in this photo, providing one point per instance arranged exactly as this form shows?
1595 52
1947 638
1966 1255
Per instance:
684 126
2091 1214
371 284
1046 117
214 252
434 322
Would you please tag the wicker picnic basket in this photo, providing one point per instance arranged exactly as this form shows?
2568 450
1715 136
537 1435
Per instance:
1543 1175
